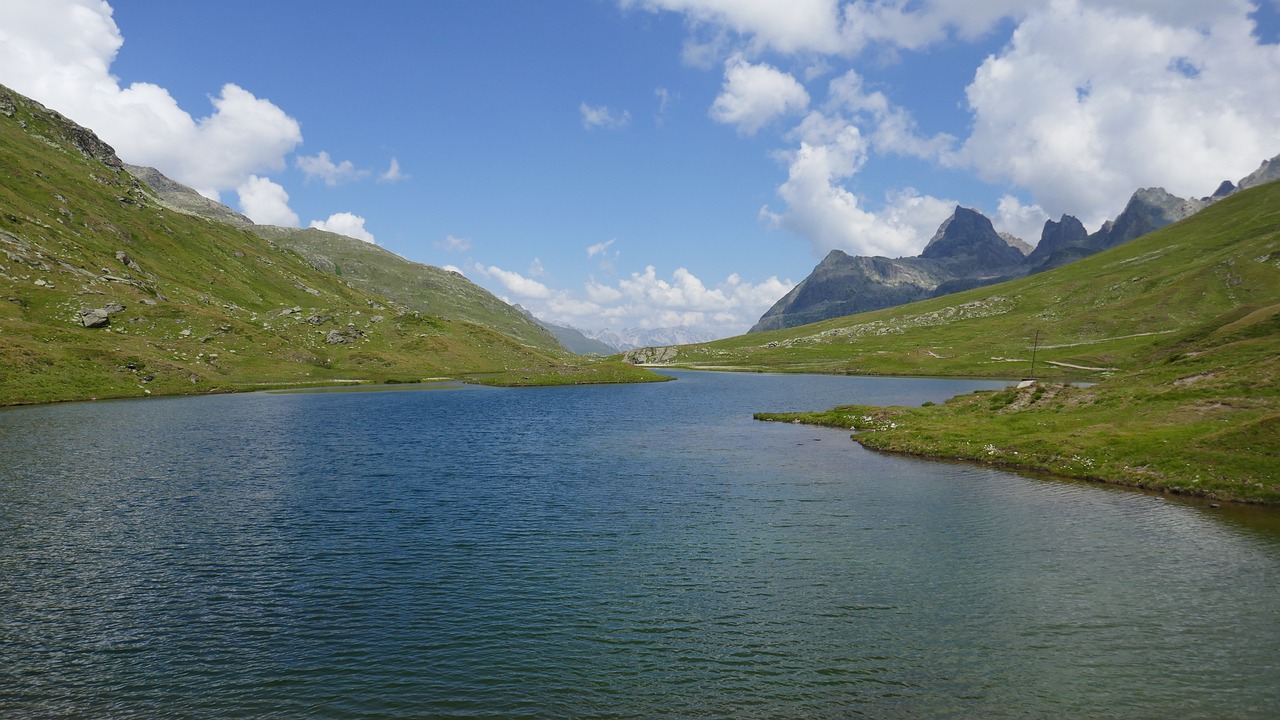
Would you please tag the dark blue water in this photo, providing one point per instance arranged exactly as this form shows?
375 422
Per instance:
625 552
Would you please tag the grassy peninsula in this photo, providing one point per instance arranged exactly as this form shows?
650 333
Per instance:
1179 330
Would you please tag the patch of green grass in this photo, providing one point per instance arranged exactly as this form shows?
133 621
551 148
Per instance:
1185 320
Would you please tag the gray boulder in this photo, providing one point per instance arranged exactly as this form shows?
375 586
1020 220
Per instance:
94 318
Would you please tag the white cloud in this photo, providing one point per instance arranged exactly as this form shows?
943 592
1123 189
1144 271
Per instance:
1023 221
454 244
522 287
536 269
59 52
1087 104
890 127
825 212
665 100
645 300
753 95
345 223
600 116
322 167
600 248
393 173
796 25
266 202
453 268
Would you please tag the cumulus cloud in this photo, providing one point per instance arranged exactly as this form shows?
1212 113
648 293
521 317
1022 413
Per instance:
602 117
821 209
60 53
1088 101
1024 221
345 223
266 202
322 167
753 95
515 283
891 127
645 300
794 26
1086 104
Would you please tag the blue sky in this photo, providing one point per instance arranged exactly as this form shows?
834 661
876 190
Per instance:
661 163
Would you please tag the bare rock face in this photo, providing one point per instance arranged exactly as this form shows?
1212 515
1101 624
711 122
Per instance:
651 356
344 336
968 242
1057 241
965 249
1267 172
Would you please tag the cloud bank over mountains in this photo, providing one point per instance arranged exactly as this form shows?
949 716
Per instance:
1087 101
1065 106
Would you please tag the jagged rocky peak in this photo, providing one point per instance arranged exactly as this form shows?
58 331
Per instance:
1267 172
1226 188
1147 211
969 235
1060 233
1016 243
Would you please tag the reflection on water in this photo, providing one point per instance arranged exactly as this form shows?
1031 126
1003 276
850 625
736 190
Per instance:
627 551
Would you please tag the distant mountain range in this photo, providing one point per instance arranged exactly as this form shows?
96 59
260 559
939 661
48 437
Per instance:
631 338
967 252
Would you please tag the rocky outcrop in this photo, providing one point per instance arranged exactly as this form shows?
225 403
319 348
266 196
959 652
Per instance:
966 248
1061 242
345 336
1269 171
94 318
177 196
1148 210
968 244
651 355
99 317
81 138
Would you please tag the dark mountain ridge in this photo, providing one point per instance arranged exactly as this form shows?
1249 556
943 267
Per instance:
967 252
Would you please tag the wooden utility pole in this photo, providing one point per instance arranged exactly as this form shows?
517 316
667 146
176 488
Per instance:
1035 345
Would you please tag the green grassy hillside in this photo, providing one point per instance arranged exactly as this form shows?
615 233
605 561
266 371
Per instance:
1108 313
418 286
1186 322
422 287
195 305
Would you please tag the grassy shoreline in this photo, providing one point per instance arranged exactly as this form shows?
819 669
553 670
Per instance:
1081 434
598 373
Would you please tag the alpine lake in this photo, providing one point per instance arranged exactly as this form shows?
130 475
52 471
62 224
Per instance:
630 551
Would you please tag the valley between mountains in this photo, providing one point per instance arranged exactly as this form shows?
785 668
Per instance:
1151 348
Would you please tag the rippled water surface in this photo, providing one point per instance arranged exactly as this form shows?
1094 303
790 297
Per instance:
631 551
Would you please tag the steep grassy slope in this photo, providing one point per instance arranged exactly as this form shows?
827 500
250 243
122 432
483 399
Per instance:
418 286
1188 318
195 305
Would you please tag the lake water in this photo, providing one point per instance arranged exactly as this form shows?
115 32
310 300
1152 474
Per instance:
641 551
